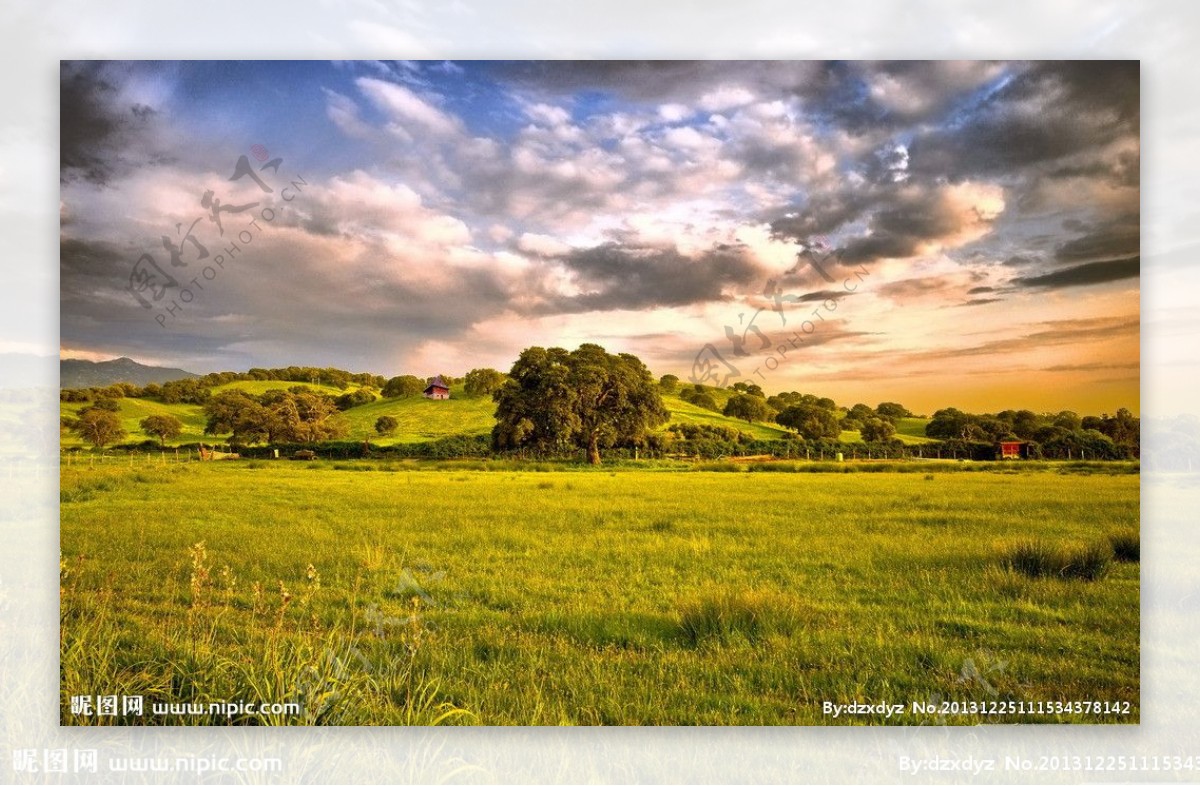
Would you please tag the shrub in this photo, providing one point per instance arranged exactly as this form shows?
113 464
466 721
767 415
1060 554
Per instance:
726 616
386 425
1088 563
356 399
1032 558
1037 559
1126 545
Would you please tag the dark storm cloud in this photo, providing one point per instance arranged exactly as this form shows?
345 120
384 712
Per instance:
1047 113
90 260
98 311
1119 238
912 217
1120 170
899 219
614 277
826 212
1084 275
1108 87
100 136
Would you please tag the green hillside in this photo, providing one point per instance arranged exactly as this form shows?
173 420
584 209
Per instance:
683 412
421 419
911 431
132 412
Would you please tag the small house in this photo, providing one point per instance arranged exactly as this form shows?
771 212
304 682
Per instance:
438 389
1012 449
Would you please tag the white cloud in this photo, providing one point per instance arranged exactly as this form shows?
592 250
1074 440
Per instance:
543 245
408 109
344 113
673 113
547 115
499 233
688 138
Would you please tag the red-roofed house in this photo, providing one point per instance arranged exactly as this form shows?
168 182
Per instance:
438 389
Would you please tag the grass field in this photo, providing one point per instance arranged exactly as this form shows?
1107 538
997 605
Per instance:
912 431
259 386
588 597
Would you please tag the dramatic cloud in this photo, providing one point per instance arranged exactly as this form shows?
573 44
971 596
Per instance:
1121 237
1084 275
613 277
444 213
1058 115
103 131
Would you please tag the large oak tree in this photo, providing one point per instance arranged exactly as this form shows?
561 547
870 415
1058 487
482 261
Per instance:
587 398
748 407
811 421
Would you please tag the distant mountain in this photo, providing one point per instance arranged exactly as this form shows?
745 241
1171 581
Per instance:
86 374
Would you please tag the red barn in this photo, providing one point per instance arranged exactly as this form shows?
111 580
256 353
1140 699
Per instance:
438 389
1012 449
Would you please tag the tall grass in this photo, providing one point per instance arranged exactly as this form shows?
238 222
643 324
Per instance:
222 646
617 596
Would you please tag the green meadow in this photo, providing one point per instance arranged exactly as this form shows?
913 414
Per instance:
472 593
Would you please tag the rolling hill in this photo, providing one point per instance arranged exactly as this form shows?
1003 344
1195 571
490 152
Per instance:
421 419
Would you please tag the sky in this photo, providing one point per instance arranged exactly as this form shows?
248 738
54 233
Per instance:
950 233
